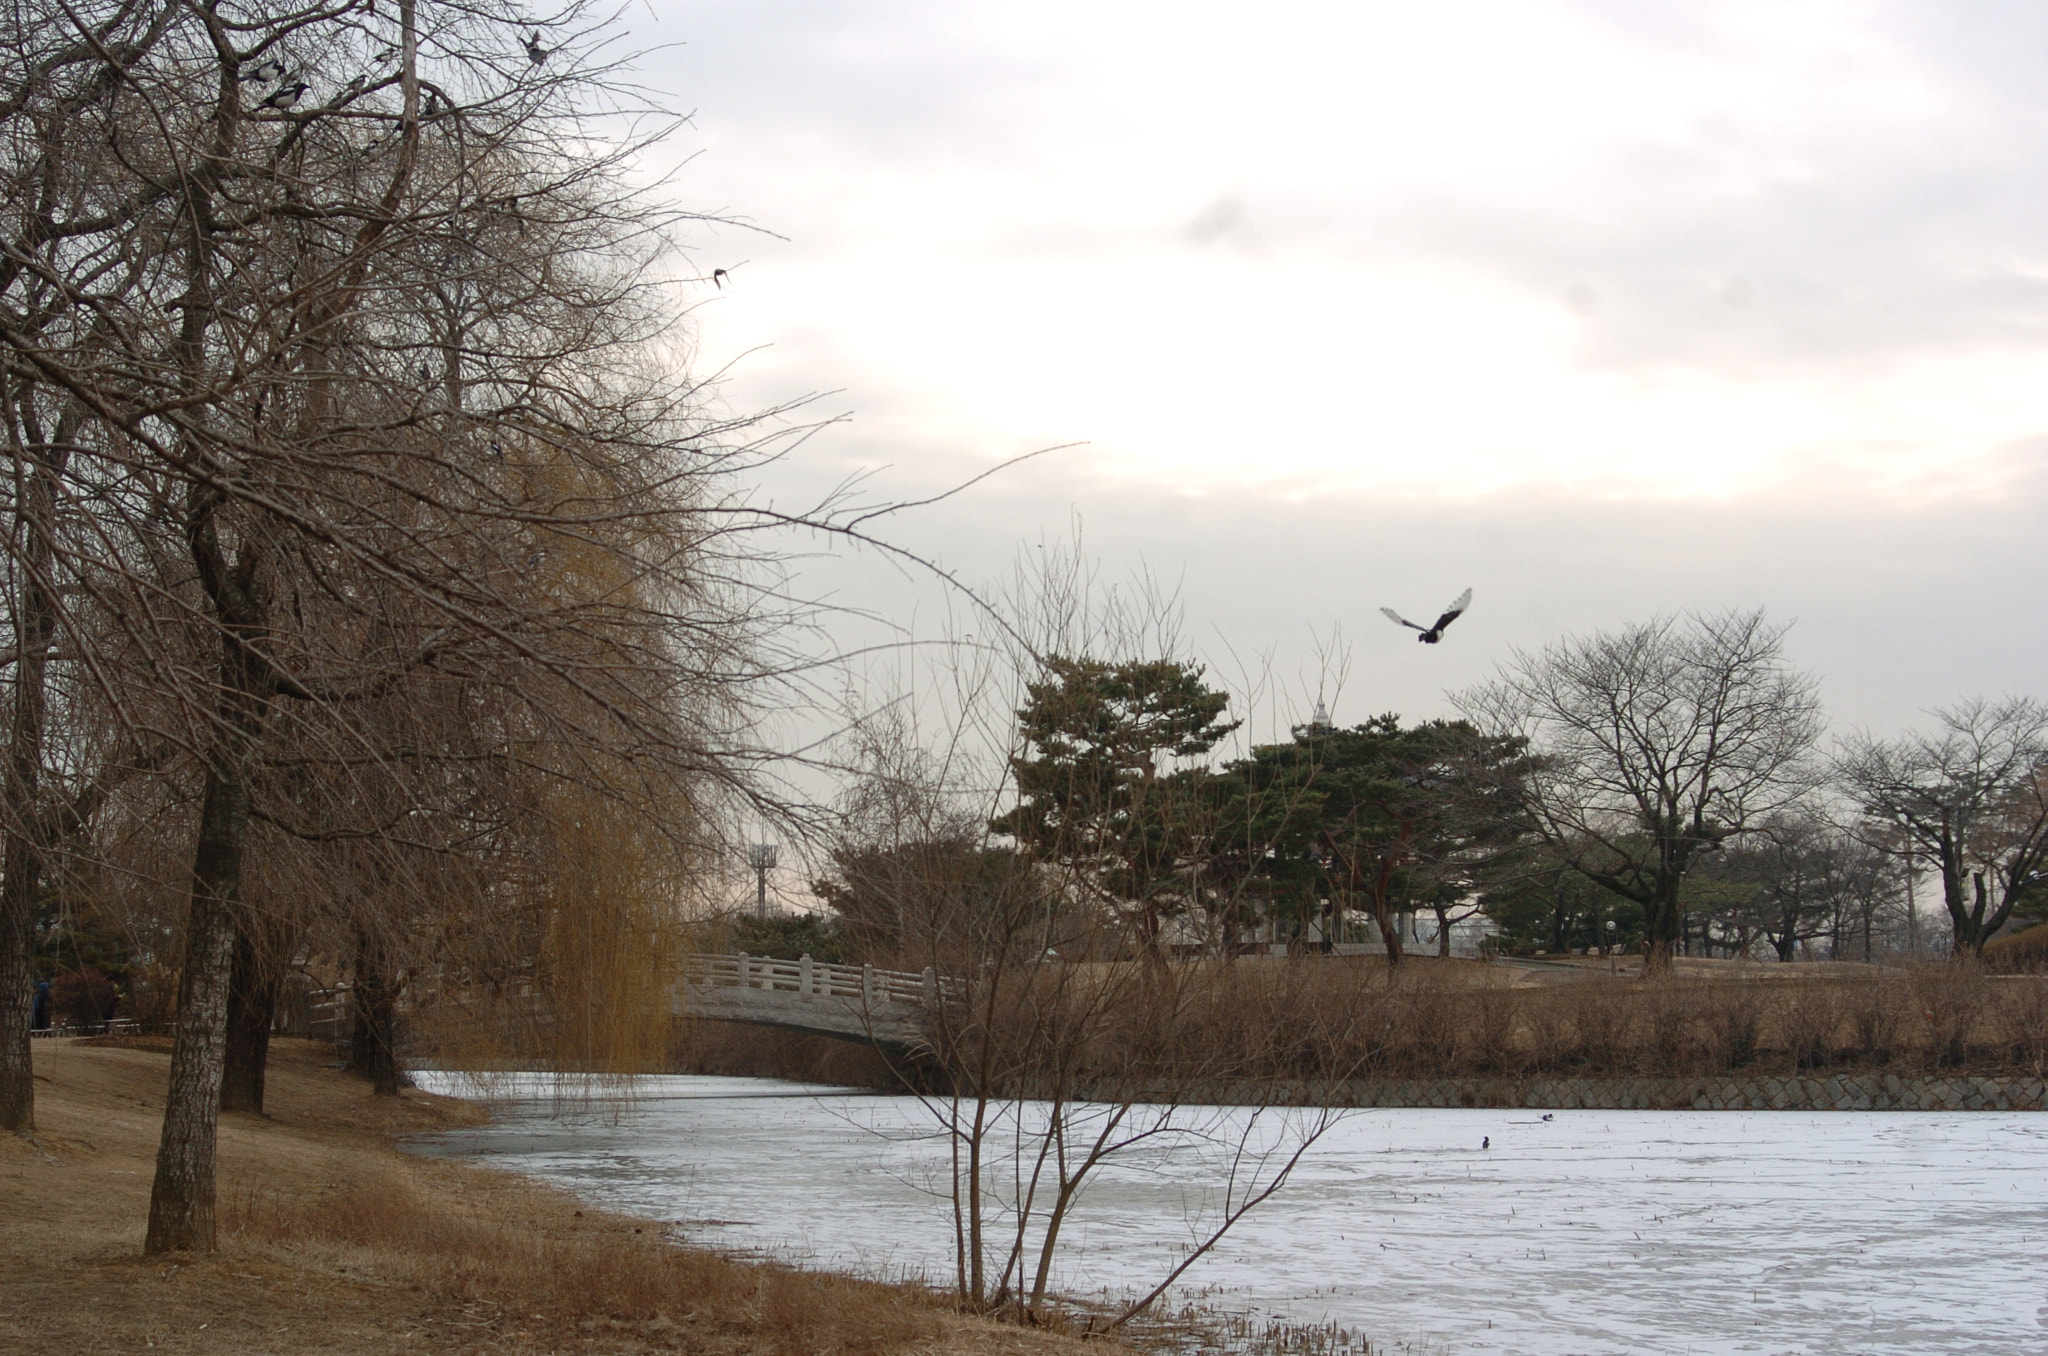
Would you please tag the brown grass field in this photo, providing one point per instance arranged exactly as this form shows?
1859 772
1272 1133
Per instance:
334 1243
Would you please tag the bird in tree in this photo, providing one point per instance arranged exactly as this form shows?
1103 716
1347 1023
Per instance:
536 53
263 73
286 96
1432 634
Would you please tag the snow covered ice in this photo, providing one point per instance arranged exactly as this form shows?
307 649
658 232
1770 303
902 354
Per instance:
1594 1233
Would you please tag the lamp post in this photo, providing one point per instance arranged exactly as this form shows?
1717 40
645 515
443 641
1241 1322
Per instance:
761 856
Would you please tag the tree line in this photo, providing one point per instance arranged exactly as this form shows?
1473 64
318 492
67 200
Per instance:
1660 787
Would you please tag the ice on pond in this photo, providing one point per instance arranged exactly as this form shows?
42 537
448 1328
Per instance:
1592 1233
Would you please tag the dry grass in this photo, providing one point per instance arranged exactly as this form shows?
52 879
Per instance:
336 1244
585 1274
1315 1019
1310 1019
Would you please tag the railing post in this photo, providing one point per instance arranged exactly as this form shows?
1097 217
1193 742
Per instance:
931 987
867 987
803 983
743 969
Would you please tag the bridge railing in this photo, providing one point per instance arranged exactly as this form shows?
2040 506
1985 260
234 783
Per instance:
808 979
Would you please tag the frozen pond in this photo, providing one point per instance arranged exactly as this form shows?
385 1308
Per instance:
1590 1234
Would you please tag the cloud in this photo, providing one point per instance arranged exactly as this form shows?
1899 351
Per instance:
1602 307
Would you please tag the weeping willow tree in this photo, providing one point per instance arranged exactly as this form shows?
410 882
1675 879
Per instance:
419 547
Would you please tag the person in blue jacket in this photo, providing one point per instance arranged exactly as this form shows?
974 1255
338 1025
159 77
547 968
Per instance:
39 1016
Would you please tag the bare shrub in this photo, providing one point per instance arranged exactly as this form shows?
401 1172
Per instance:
1734 1020
1428 1028
1668 1013
1877 1015
2021 953
1490 1019
1554 1033
1605 1015
2023 1014
1808 1016
1950 1001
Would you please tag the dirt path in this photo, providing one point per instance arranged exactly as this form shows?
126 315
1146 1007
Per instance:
336 1244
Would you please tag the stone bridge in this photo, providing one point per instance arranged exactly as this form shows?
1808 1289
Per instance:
846 1002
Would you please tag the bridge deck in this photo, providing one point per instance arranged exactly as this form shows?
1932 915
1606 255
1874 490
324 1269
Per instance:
847 1002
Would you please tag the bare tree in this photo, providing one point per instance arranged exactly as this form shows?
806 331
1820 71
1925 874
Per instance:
1969 800
1655 744
335 340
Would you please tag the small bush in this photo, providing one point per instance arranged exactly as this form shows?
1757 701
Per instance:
1951 1003
1605 1015
2024 1016
1490 1025
1555 1035
1808 1015
1877 1015
1735 1025
84 998
1668 1012
2020 953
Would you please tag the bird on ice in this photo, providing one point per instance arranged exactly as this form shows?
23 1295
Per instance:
1432 634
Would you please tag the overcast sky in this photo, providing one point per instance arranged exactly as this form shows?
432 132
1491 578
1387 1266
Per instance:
1599 308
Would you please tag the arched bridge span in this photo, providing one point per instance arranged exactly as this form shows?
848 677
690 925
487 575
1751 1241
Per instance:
845 1002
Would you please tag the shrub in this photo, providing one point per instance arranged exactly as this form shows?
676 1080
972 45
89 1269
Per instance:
2024 1016
1877 1013
2021 953
84 998
1735 1024
1808 1015
1951 1002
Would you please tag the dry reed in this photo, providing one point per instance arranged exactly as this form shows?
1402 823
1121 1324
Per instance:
1315 1018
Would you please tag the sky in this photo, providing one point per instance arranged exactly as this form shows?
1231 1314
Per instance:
1603 309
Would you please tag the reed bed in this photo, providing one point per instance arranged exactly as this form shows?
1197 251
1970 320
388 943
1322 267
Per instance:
1344 1018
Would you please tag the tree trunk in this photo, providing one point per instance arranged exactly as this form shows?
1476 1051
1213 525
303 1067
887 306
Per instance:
22 814
252 1006
1382 918
181 1200
371 1051
1663 927
17 987
1443 935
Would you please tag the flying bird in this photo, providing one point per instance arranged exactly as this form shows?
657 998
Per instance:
1432 634
719 275
534 51
286 95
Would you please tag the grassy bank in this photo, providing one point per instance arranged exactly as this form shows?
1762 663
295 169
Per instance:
334 1243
